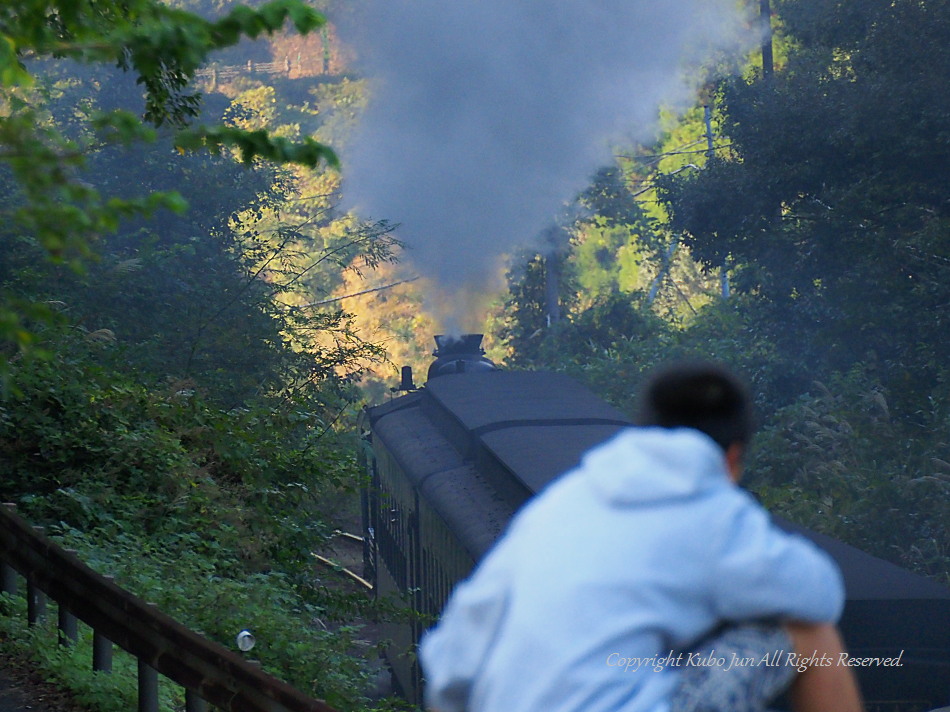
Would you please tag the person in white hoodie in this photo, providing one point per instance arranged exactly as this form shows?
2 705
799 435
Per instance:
647 580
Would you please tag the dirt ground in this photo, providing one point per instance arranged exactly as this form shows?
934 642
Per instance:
24 690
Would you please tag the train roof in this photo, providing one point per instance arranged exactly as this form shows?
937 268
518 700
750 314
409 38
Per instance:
533 425
450 483
529 427
478 445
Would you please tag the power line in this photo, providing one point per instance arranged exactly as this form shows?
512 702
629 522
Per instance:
359 294
659 156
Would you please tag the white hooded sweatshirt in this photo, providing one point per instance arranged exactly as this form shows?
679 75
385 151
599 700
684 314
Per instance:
633 556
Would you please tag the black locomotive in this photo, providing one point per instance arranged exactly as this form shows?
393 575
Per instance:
450 464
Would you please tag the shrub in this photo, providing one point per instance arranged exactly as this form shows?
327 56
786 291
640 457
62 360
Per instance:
840 461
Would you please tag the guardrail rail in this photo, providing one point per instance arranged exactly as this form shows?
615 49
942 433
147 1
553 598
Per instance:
210 673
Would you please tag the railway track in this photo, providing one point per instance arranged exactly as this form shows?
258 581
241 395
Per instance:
344 555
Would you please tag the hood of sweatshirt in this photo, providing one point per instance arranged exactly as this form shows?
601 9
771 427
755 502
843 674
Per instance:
648 465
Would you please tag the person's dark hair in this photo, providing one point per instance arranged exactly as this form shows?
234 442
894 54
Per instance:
701 395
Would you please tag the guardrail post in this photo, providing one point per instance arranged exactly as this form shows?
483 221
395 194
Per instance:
194 703
7 572
148 688
35 603
35 598
7 579
68 626
101 652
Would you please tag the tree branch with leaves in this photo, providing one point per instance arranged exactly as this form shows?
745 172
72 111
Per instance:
163 47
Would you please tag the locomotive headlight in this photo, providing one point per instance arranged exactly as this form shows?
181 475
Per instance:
245 641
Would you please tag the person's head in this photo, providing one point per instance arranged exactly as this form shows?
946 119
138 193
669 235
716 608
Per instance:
701 395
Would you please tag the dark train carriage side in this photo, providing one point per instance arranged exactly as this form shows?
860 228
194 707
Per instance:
452 463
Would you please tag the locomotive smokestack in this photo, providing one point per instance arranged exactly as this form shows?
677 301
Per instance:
462 344
405 381
459 354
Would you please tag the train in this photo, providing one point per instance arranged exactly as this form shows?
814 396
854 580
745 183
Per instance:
450 463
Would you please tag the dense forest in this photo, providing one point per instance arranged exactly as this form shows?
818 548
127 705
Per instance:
816 197
190 319
173 405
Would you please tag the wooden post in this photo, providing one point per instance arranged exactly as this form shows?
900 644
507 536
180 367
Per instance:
325 41
102 647
552 288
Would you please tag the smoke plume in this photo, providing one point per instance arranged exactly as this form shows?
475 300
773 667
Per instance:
486 116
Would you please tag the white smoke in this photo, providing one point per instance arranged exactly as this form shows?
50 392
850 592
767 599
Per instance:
487 115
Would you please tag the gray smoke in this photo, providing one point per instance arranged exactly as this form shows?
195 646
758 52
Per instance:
486 116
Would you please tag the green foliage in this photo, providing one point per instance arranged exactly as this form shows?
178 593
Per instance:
211 514
842 222
212 296
258 144
79 429
339 106
840 461
162 47
526 312
609 198
175 406
293 640
606 260
217 597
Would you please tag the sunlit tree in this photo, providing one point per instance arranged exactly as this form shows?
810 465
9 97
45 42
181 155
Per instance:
162 48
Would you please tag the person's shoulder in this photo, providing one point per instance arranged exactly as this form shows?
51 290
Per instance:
729 502
741 507
750 526
764 571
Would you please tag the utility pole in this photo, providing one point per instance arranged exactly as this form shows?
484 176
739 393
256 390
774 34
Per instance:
325 41
710 152
552 283
707 119
552 274
664 270
765 13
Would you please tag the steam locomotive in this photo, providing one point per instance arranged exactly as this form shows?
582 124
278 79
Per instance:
450 463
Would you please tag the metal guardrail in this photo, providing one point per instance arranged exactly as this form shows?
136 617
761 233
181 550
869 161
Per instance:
210 673
299 67
251 67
